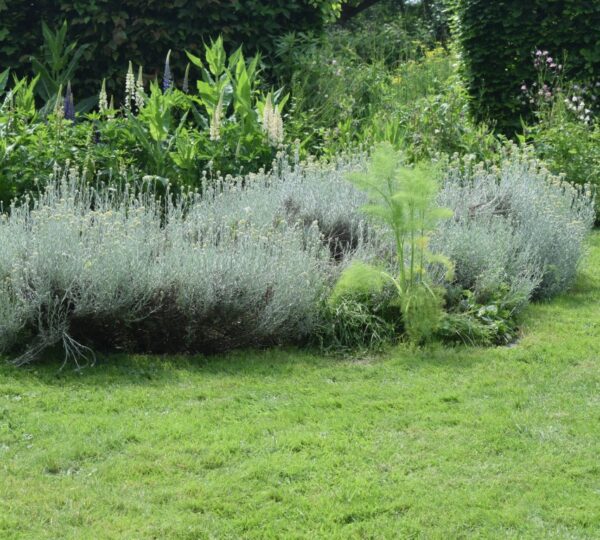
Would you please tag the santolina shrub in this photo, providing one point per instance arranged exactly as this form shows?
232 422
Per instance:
244 263
515 225
251 261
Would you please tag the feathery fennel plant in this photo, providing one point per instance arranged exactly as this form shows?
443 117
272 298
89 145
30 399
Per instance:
403 199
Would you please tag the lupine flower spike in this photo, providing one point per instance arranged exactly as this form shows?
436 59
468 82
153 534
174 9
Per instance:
129 87
272 122
140 98
167 75
111 108
215 123
59 110
69 104
103 98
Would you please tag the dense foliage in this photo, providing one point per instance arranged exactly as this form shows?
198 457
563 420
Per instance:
564 130
226 125
116 32
349 89
498 39
253 261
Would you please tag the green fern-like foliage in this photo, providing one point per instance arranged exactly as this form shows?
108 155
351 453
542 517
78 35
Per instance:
403 198
359 279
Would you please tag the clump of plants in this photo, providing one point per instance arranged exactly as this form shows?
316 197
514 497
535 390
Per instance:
463 259
229 124
404 199
296 255
88 270
243 261
517 234
564 131
341 78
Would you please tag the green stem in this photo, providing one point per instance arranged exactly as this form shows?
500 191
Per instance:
412 245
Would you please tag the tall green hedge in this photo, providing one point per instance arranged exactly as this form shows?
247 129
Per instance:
143 31
498 37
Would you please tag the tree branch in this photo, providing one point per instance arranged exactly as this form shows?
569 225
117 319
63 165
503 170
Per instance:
349 10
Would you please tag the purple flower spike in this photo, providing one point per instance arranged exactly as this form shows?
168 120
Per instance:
167 75
69 105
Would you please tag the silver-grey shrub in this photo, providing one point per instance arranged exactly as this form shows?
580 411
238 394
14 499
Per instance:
249 261
244 262
515 225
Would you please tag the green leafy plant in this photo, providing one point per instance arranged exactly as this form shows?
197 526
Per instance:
403 199
57 66
31 145
472 322
356 323
156 131
242 135
564 131
20 100
569 147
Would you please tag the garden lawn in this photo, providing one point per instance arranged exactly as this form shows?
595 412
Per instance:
437 443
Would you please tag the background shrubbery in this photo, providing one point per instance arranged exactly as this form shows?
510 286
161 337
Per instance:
225 125
498 38
116 32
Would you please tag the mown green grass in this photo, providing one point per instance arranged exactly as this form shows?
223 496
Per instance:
438 443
